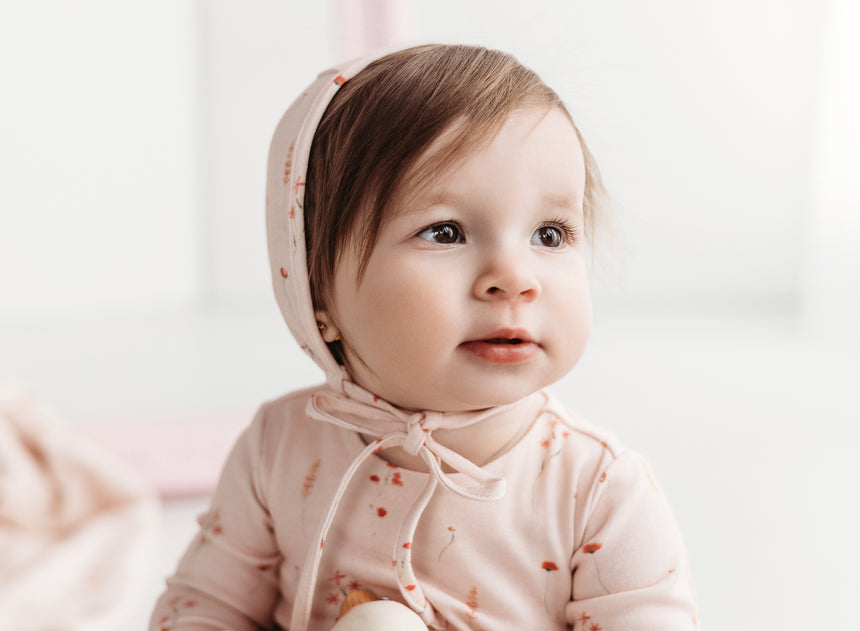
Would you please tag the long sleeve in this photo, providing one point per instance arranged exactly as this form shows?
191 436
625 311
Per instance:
630 569
227 578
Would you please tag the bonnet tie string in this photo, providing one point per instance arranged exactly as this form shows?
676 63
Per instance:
358 410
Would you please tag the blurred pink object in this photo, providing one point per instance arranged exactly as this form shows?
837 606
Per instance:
181 456
77 526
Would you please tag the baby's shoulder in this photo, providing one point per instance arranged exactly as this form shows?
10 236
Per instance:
580 433
284 419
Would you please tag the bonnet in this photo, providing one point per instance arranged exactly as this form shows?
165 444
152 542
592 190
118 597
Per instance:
345 403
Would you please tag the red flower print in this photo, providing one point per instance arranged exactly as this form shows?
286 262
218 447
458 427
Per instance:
407 545
396 479
374 478
584 617
594 627
549 566
284 273
591 548
381 512
333 598
545 443
602 477
354 585
409 588
393 466
337 577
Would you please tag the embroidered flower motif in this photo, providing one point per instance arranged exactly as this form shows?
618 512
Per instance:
549 567
452 530
550 444
310 479
177 605
210 525
344 585
473 604
288 164
591 548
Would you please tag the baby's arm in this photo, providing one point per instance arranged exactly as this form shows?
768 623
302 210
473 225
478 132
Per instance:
228 576
630 570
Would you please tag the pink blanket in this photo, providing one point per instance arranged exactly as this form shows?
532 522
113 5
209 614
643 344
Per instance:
77 527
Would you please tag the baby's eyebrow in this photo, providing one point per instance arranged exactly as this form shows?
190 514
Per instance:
423 202
566 201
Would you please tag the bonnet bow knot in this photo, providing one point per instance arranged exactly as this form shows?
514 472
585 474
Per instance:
358 410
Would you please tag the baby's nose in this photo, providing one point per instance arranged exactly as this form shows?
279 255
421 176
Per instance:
507 276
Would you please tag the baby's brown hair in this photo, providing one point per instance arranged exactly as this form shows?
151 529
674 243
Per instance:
380 123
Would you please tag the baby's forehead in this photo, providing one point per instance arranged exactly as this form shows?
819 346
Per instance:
436 177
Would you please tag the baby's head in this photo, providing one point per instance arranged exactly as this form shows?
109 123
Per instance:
447 205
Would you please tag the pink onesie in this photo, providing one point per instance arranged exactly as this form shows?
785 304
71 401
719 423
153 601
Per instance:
583 535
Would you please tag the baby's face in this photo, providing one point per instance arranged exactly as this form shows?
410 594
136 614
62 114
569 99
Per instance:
476 292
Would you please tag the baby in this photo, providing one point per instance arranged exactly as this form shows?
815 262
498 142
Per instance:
429 213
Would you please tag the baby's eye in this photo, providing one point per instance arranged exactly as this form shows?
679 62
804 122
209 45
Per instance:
548 237
445 233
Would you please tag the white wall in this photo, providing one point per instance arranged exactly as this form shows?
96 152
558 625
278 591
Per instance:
701 115
99 157
137 134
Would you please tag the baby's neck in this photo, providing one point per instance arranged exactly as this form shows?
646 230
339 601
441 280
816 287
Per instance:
480 443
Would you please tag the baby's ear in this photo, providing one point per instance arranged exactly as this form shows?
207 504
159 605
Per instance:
328 331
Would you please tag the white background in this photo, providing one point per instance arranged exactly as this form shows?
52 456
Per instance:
134 283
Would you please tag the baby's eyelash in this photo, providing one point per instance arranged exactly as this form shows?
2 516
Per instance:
571 230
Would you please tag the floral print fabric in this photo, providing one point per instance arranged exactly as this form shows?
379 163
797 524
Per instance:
583 537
